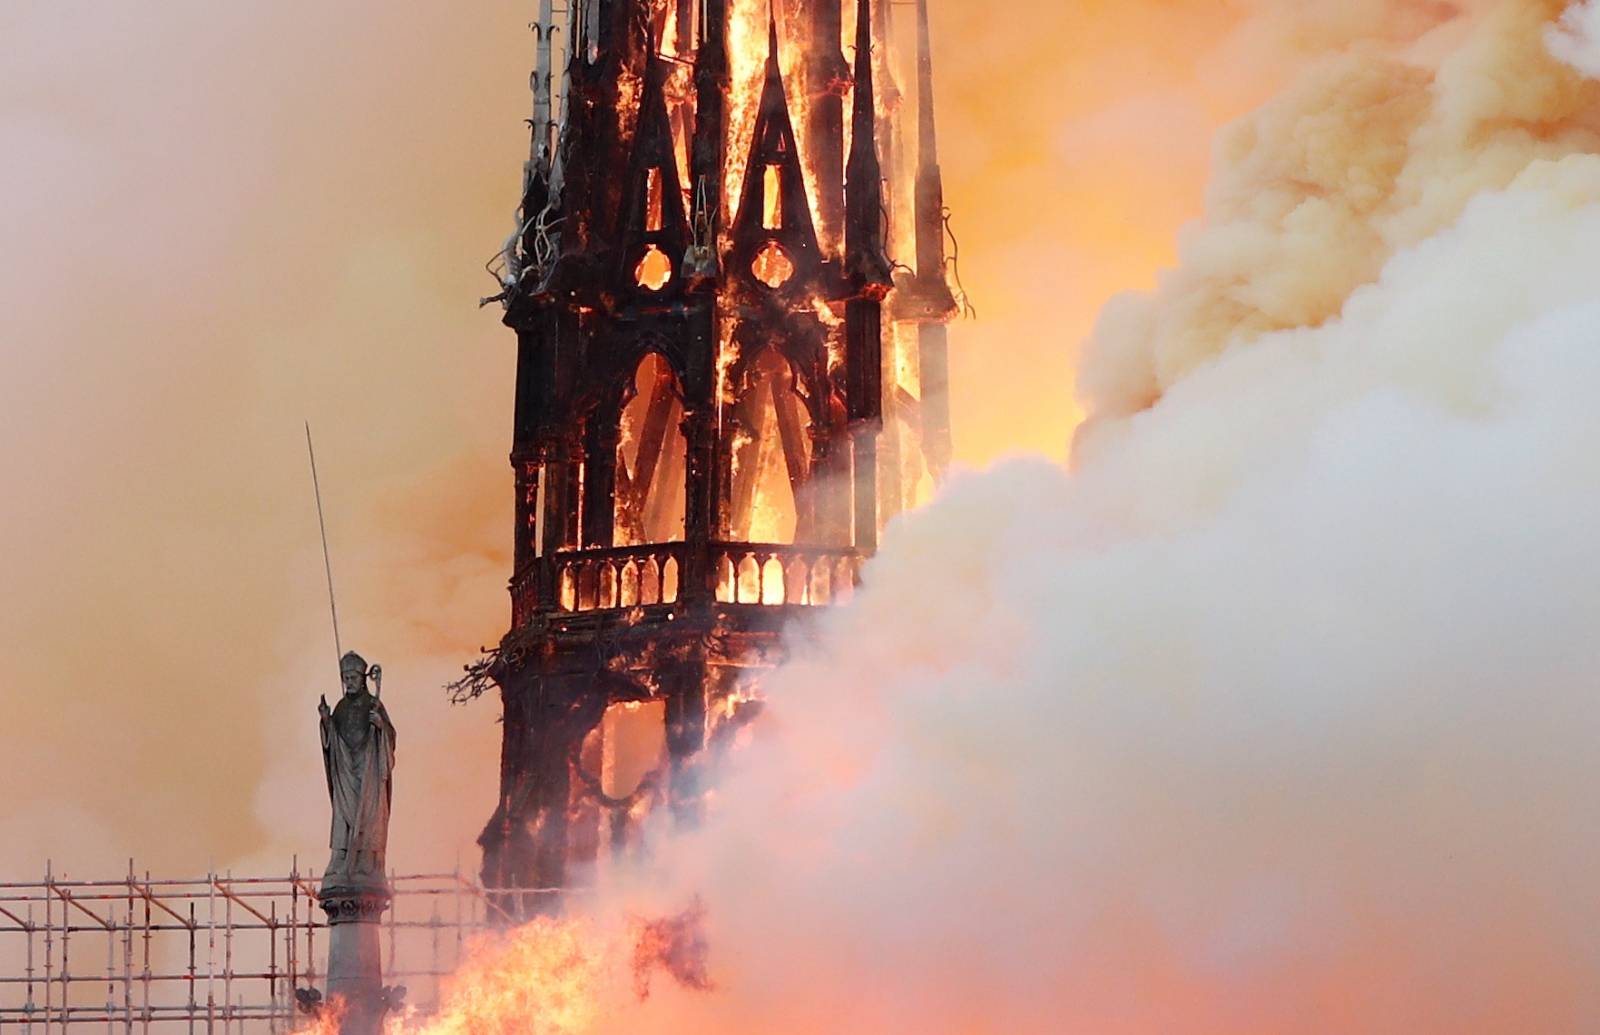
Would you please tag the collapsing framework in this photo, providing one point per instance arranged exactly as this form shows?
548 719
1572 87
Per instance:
730 375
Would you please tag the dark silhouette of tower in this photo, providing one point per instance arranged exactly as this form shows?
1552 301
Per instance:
725 386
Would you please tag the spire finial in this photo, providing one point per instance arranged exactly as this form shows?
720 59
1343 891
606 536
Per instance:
772 33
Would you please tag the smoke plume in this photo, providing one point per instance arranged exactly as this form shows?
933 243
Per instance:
1278 713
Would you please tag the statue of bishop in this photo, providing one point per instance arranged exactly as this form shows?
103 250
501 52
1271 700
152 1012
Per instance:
358 753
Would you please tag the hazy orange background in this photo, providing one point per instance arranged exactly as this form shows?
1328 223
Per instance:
220 219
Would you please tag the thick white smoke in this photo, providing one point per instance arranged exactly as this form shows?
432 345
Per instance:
1280 715
1574 39
1280 712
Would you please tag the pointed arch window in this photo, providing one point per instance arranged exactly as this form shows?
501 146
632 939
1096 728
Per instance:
651 458
772 454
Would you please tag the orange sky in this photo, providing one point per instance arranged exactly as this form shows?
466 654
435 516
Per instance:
223 219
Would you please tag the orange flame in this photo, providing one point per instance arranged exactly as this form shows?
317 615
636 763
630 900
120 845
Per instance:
545 977
556 977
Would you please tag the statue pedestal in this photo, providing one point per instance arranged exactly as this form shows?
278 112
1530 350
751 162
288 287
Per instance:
355 955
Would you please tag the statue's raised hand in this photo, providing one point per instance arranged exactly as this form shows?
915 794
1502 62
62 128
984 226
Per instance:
322 707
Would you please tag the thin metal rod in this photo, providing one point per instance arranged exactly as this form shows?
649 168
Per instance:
327 559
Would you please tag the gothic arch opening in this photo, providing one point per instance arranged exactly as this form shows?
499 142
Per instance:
772 453
651 454
617 775
625 748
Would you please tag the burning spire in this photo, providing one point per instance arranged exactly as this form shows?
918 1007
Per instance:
699 398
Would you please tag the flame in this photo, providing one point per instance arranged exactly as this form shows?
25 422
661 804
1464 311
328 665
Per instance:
771 513
730 705
727 356
670 44
545 978
327 1020
556 977
792 42
747 55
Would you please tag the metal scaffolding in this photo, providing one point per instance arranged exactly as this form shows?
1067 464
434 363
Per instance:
218 954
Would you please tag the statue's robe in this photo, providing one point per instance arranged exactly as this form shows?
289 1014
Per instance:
359 759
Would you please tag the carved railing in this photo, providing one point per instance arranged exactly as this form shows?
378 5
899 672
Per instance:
623 578
771 575
599 580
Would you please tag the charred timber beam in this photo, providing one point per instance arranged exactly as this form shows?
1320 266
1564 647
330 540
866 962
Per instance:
671 471
600 482
702 487
864 337
830 484
751 419
652 441
526 545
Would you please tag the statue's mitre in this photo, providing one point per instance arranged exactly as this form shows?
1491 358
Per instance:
352 662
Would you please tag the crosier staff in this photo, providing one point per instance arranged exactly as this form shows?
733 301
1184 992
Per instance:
375 673
327 560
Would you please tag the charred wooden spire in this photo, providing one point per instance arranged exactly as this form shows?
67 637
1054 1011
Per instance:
706 366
